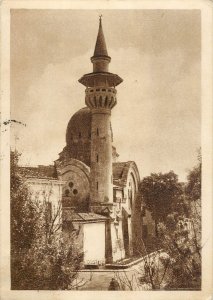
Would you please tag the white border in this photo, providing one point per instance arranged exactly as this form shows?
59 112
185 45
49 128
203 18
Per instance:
207 146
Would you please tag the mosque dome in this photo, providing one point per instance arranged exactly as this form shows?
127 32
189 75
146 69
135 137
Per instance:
79 126
78 138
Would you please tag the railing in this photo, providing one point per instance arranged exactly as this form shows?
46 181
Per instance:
101 90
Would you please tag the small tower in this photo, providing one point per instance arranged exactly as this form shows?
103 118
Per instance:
101 98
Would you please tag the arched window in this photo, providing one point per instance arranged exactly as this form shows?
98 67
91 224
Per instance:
70 184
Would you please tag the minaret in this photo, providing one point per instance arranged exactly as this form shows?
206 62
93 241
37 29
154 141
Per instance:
101 98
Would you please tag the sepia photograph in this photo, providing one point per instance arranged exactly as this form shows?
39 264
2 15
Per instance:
106 150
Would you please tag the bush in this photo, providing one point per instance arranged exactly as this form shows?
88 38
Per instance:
39 257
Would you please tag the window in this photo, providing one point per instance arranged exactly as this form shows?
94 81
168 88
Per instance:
79 134
97 185
97 132
67 193
97 158
75 192
70 184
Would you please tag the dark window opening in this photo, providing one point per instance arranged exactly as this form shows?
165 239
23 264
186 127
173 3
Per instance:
67 193
70 184
106 100
97 185
79 134
97 158
97 132
75 192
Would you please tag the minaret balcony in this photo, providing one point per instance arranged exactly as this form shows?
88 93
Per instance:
101 97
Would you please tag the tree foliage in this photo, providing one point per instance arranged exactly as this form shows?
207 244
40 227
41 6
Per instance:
24 214
181 239
181 236
193 187
160 193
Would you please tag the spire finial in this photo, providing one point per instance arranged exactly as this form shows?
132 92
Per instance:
100 47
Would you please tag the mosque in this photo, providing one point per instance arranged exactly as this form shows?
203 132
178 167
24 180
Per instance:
98 192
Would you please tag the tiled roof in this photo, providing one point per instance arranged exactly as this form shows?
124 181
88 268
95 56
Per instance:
41 172
120 172
82 217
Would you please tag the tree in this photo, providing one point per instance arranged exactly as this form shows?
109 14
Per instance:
160 193
181 242
193 187
40 259
24 218
150 274
181 236
23 210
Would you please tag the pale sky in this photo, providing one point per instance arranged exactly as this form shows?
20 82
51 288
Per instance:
156 122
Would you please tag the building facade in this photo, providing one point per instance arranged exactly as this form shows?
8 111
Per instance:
98 192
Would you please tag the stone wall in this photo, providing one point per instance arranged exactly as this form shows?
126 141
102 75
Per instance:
94 243
76 188
118 251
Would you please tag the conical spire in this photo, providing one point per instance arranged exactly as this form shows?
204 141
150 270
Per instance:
100 60
100 46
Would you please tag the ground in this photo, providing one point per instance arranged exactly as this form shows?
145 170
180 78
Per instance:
100 279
